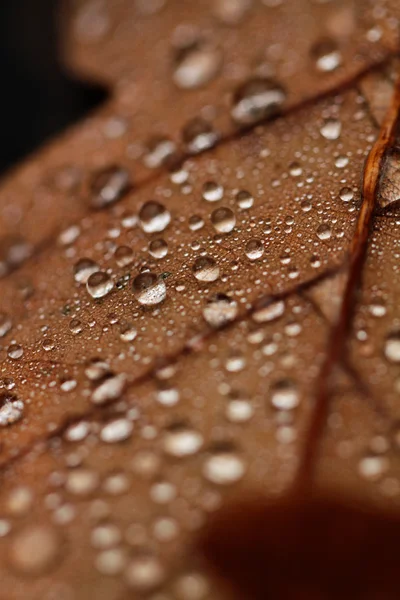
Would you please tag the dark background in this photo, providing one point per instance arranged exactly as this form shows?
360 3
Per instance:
38 98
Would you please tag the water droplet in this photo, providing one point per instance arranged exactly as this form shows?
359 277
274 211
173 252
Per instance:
11 409
110 388
195 222
159 151
392 347
145 573
123 256
341 162
239 409
99 284
223 219
326 55
14 251
377 308
105 536
82 482
257 99
324 231
154 217
220 310
331 129
196 65
205 269
15 351
181 440
118 430
224 466
254 249
295 169
212 191
270 312
128 332
158 248
5 324
346 194
111 562
84 268
372 467
199 135
167 396
244 199
35 550
231 12
108 186
285 395
149 289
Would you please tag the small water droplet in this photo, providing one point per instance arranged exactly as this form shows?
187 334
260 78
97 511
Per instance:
117 430
108 186
212 191
224 466
331 129
35 550
158 248
181 440
285 395
15 351
326 55
324 231
205 269
84 268
11 409
196 65
199 135
392 347
257 99
254 249
5 324
123 256
145 573
244 199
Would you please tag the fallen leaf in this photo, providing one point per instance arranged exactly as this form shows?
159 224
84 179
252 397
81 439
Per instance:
199 307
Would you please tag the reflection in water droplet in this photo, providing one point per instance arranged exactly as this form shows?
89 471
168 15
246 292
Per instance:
205 269
108 186
154 217
196 65
224 467
149 289
220 310
35 550
99 284
331 129
223 219
285 395
257 99
326 55
392 347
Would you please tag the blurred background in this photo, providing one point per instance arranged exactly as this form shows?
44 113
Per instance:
38 97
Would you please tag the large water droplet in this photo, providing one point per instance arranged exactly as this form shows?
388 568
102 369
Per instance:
223 219
205 269
99 284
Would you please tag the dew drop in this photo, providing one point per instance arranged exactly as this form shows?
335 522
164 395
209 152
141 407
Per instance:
254 249
158 248
35 550
110 388
149 289
224 466
270 312
244 199
5 324
205 269
15 351
99 284
154 217
223 219
331 129
123 256
199 135
285 395
11 409
84 268
324 231
108 186
118 430
257 99
145 573
212 191
196 65
181 440
220 310
392 347
326 56
159 150
346 194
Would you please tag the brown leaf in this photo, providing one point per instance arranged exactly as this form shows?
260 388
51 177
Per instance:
199 304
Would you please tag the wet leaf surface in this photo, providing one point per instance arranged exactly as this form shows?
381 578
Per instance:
199 333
